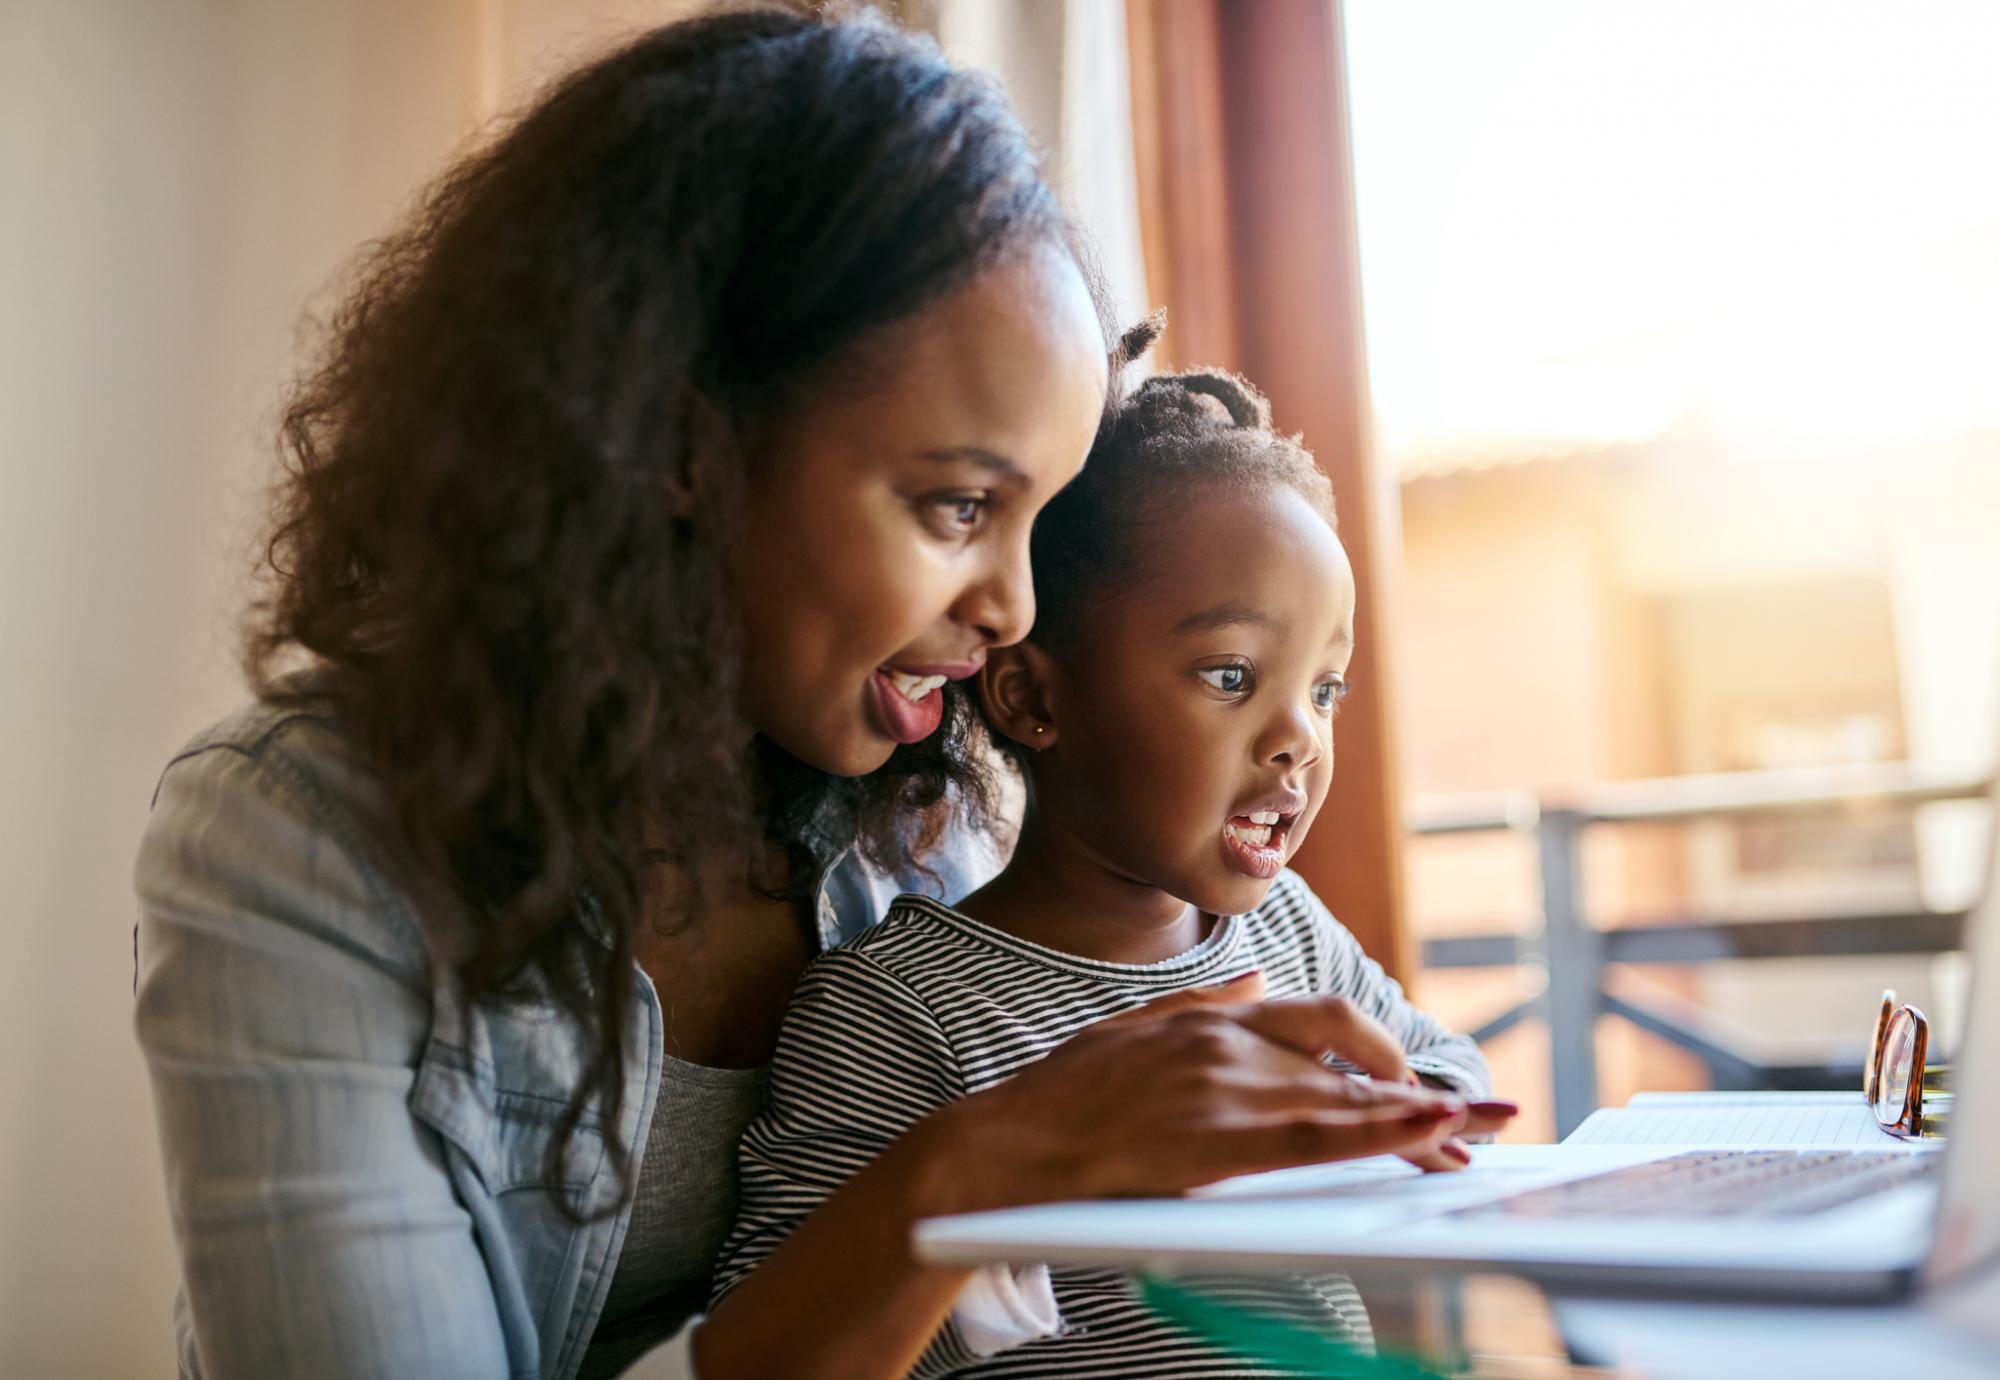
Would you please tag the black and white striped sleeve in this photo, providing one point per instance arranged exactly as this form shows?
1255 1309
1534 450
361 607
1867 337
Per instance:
860 1059
1429 1046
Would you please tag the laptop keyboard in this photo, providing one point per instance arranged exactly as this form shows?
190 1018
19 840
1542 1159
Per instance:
1724 1183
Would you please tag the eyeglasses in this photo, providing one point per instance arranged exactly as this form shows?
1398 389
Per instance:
1896 1077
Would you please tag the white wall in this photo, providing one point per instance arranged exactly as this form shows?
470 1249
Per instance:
178 180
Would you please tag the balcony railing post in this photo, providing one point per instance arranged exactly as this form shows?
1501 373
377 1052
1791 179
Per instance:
1573 955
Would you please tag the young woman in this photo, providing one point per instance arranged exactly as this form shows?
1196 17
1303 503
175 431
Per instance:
661 479
1173 714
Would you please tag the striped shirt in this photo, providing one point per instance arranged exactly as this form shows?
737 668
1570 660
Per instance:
930 1005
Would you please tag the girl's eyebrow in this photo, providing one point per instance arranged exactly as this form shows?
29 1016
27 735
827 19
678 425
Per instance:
999 465
1233 615
1229 615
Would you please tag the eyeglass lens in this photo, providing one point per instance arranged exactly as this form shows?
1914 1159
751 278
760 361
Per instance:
1899 1051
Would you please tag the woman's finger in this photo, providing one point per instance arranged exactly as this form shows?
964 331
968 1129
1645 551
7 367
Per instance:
1489 1117
1307 1087
1448 1158
1319 1026
1287 1142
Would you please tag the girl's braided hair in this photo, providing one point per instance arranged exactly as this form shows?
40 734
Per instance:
1159 444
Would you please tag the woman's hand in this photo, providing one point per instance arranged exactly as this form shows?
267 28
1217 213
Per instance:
1193 1088
1190 1089
1366 1044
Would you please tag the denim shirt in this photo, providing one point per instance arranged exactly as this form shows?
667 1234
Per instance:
356 1156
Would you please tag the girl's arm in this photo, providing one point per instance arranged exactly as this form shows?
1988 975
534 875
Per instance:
1221 1090
1430 1049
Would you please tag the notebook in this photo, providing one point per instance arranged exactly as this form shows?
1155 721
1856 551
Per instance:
1807 1120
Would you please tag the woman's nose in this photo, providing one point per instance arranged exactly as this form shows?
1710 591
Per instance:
1002 604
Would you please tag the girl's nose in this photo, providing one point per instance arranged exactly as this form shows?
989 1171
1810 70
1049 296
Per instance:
1293 738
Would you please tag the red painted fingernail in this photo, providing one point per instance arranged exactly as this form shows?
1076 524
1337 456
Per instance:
1494 1107
1434 1112
1454 1151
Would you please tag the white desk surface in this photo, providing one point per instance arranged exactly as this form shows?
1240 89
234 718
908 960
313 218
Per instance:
1955 1337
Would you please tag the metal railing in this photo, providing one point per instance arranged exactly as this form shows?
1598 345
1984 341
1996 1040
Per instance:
1573 952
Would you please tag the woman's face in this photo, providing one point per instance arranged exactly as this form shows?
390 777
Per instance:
885 537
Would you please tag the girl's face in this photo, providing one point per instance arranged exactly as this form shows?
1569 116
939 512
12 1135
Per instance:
885 538
1194 720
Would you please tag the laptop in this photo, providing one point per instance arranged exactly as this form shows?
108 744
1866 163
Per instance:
1833 1225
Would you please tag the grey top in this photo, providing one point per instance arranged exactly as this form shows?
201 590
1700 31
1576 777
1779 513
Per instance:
684 1202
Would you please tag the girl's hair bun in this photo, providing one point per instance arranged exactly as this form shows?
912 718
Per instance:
1239 397
1137 340
1160 442
1197 401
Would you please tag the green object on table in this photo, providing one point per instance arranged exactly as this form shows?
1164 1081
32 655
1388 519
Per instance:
1256 1336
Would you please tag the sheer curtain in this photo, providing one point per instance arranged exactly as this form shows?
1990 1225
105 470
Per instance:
1064 65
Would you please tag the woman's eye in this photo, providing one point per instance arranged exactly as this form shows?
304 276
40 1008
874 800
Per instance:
1230 680
960 514
1328 694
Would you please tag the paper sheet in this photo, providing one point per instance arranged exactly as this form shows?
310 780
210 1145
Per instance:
1801 1119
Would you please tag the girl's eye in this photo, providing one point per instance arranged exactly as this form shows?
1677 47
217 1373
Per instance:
1230 680
1328 694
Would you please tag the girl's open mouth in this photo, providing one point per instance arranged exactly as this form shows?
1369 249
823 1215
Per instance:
1255 842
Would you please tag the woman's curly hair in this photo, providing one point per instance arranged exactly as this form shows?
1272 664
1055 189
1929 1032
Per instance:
511 482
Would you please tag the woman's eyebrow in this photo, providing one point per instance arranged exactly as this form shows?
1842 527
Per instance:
999 465
1228 616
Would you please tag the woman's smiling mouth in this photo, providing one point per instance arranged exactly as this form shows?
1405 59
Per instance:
909 700
907 708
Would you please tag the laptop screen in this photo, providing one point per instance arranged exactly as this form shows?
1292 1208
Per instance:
1968 1229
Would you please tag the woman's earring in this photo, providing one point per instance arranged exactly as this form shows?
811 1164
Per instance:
1040 729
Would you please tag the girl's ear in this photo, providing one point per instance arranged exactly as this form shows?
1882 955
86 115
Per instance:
1015 689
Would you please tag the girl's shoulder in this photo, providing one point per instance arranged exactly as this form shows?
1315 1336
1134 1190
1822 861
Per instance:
915 935
1295 937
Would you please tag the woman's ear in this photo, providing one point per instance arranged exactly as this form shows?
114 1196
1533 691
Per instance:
1015 690
705 436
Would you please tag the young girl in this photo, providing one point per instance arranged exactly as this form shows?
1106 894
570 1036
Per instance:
1172 713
